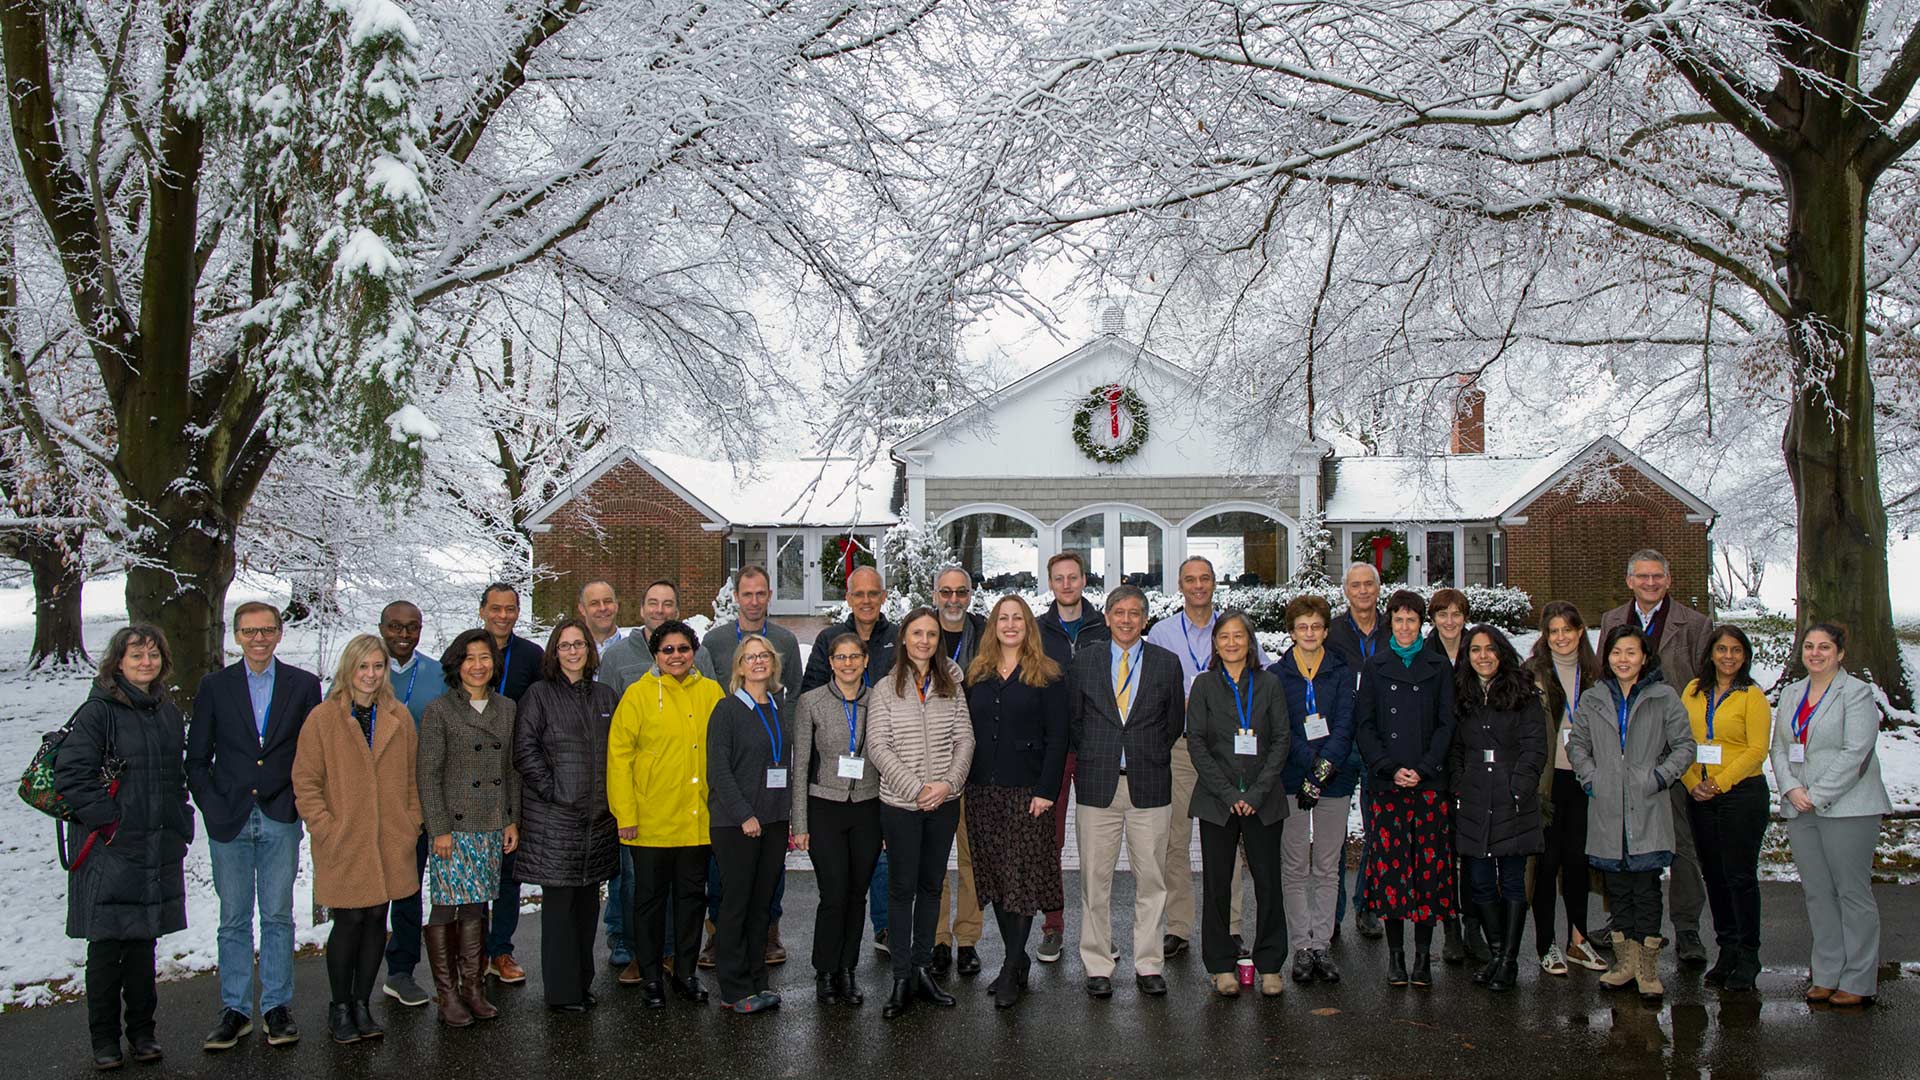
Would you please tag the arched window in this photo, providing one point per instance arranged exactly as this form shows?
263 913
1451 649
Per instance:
1246 547
1001 551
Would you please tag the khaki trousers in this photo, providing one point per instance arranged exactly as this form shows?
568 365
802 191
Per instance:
964 928
1100 831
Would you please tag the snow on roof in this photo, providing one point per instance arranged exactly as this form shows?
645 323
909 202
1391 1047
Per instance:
1437 487
807 491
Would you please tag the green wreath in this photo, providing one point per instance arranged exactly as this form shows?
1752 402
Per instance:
1099 400
1400 560
833 565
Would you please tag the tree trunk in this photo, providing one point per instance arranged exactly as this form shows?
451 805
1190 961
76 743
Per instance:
179 583
59 572
1829 439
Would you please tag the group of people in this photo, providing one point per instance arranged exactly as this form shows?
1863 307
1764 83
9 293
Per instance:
677 771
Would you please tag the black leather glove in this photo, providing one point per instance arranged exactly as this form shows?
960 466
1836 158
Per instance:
1309 795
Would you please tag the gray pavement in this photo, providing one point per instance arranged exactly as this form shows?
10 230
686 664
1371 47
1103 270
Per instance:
1360 1027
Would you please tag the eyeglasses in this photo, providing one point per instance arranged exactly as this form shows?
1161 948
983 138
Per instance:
954 594
1647 577
757 658
866 594
848 658
257 633
402 627
570 646
673 650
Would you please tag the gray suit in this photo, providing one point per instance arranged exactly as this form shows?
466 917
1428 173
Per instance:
1833 846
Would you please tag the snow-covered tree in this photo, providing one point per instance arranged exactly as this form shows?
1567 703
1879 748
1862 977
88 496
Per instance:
913 554
1659 179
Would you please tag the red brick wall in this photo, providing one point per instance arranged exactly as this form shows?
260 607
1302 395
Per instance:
646 532
1576 549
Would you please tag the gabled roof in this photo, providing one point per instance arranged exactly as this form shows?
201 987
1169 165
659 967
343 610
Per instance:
827 492
1471 487
1105 343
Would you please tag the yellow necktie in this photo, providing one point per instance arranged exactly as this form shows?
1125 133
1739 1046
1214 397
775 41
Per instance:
1120 691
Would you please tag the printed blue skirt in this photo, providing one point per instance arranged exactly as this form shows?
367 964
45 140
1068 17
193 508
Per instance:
472 874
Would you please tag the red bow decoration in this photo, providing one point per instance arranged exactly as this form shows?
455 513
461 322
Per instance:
1113 407
846 557
1381 545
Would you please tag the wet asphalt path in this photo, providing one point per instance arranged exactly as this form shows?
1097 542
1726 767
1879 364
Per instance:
1360 1027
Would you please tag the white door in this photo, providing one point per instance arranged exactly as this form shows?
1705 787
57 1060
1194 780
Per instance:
789 569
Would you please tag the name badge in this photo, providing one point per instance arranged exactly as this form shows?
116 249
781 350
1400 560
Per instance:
852 768
1316 726
1246 744
1707 754
776 778
1566 736
1797 753
1486 756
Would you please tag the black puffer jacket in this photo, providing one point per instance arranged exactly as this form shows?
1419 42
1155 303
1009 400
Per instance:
1499 809
134 887
567 834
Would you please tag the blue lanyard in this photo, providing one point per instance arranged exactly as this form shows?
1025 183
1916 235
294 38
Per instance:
737 635
506 654
411 675
1713 705
1244 709
924 685
1186 631
852 709
774 733
1368 646
1803 716
1622 708
957 646
1648 623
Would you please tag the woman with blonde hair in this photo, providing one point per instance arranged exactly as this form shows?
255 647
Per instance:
750 800
354 784
1017 696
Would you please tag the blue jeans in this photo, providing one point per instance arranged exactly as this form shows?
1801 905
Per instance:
403 947
713 891
506 910
877 894
254 871
1500 877
617 892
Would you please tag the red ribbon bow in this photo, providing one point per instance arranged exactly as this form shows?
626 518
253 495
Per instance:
1113 408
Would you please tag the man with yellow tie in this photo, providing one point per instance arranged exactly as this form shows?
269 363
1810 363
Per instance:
1127 711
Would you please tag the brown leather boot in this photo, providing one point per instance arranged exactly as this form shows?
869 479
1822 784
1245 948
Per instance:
440 960
473 977
708 944
776 952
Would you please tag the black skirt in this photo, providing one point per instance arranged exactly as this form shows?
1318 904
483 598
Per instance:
1016 867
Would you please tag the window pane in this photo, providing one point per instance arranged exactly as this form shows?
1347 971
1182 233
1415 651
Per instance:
1440 557
790 568
1246 548
1088 538
1141 548
1001 551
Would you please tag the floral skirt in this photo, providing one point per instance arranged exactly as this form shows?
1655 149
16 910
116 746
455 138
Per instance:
1016 866
1410 871
471 875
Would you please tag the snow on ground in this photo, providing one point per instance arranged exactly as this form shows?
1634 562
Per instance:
39 964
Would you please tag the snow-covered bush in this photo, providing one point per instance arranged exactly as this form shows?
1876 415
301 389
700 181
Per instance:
913 554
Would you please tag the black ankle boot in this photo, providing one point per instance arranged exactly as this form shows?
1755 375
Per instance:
1744 974
899 1001
1396 968
1422 968
925 986
363 1019
849 990
340 1023
826 987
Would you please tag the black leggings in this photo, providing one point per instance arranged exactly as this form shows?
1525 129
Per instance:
445 914
1727 832
1563 863
354 950
120 972
1635 895
918 842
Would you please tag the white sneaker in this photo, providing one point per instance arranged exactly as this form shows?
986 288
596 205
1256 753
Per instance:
1553 963
1583 955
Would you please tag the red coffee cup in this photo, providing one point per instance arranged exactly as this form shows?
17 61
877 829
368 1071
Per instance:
1245 970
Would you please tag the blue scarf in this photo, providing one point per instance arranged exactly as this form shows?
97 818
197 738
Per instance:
1406 653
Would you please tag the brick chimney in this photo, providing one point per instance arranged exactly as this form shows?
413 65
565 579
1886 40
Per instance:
1469 418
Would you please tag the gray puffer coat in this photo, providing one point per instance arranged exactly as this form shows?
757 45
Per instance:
1630 814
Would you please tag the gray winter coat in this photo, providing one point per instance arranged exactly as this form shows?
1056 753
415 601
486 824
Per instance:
1629 813
465 765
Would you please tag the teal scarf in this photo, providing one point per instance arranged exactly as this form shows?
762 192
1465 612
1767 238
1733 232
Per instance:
1406 653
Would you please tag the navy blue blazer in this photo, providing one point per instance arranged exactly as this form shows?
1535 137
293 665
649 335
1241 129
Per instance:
230 768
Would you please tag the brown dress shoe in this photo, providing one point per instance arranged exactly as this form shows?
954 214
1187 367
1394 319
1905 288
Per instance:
630 975
1819 993
1845 999
776 952
503 968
